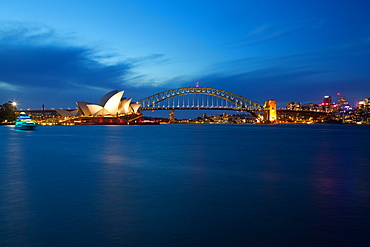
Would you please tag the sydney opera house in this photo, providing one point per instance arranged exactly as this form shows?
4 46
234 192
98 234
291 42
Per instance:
111 109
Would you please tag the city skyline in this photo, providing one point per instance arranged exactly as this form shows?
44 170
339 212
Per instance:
50 52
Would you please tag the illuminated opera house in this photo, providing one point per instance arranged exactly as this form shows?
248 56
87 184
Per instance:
111 109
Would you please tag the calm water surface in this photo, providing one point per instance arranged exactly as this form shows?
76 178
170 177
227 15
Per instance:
185 185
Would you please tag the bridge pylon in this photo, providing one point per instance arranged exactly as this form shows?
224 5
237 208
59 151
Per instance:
270 113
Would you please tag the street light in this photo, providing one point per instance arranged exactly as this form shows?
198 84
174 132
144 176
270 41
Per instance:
14 104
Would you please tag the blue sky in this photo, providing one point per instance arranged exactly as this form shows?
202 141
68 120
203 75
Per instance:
58 52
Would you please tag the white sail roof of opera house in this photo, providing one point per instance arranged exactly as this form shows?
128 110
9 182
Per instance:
135 107
106 97
111 104
125 106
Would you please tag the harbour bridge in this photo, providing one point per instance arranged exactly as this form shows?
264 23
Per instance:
201 98
216 99
195 98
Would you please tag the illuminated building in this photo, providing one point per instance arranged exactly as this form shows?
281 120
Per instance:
110 109
310 107
342 101
293 106
364 105
67 113
327 104
110 104
367 104
327 100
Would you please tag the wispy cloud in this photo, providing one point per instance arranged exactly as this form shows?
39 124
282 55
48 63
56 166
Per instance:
7 86
158 58
32 57
271 31
262 34
37 59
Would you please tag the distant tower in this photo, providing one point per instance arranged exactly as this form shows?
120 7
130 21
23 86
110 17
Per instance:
342 101
172 115
327 100
326 104
43 112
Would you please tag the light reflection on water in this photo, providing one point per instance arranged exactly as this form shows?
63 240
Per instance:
15 196
185 185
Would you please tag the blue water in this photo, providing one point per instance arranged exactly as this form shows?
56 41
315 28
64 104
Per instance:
185 185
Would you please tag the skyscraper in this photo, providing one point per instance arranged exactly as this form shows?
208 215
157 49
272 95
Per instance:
342 101
327 100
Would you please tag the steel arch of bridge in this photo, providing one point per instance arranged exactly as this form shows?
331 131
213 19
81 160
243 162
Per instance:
199 98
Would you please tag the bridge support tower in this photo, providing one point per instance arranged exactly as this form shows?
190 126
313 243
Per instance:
270 113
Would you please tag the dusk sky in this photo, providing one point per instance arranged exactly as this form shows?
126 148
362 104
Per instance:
58 52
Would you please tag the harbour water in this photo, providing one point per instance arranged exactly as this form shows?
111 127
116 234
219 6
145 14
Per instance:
185 185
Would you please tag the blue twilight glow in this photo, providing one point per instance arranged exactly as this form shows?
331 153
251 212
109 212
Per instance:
59 52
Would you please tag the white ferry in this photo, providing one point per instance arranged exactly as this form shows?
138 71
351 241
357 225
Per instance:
24 122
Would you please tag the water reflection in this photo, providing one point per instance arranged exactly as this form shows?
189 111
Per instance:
335 198
16 214
271 172
115 204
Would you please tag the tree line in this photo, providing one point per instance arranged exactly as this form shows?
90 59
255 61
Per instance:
7 112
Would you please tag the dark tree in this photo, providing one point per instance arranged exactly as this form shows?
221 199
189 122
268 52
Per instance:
7 112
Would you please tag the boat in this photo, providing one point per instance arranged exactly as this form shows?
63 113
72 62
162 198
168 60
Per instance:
24 122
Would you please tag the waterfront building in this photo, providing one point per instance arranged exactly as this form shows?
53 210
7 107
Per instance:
66 113
112 108
367 104
111 104
310 107
364 105
293 106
